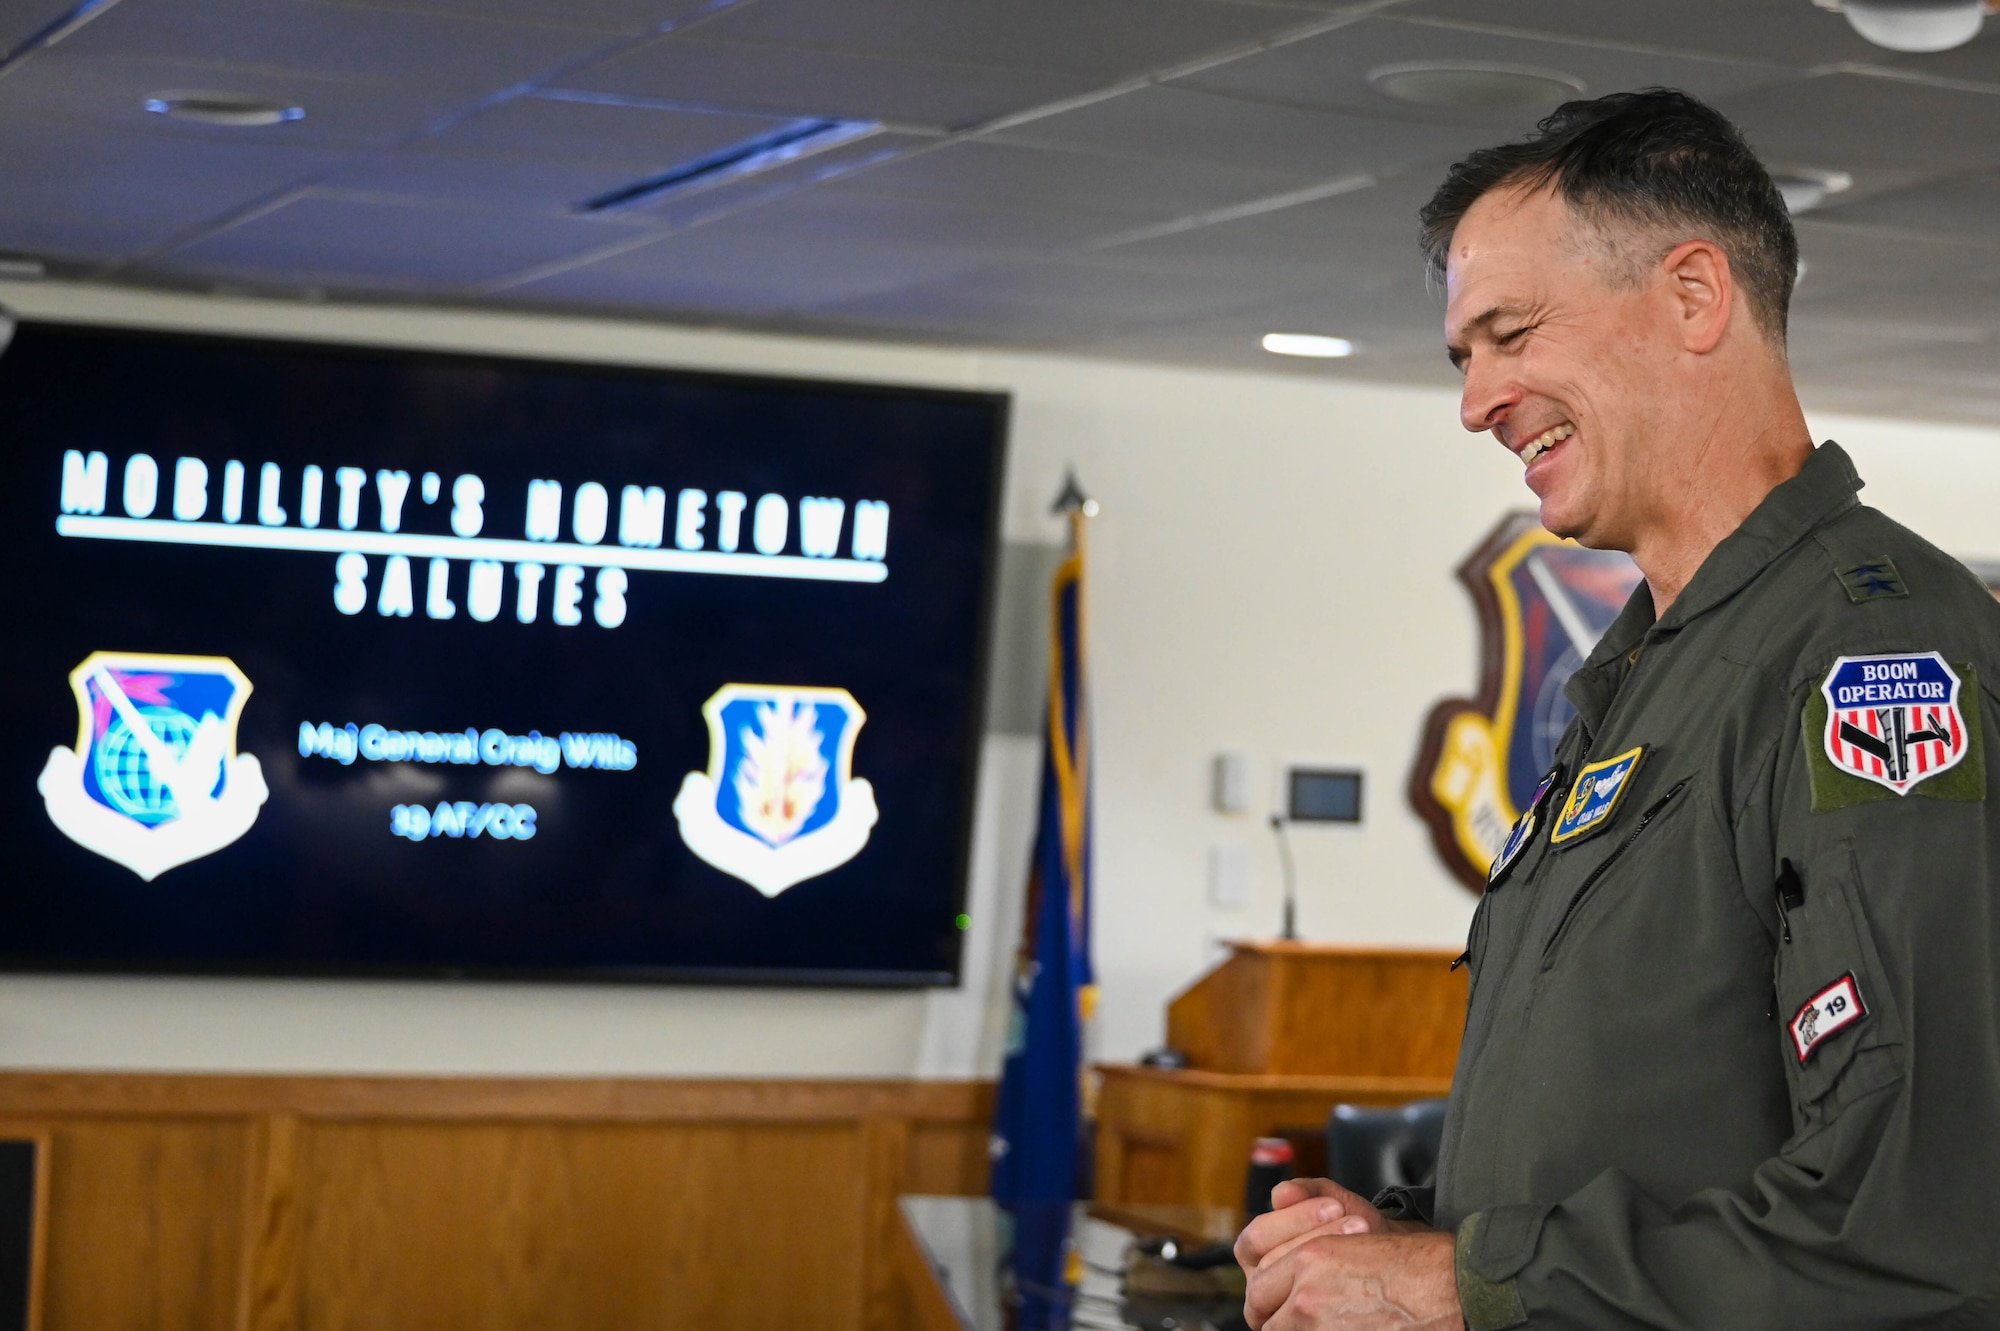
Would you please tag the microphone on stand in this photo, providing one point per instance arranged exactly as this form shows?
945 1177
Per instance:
1290 932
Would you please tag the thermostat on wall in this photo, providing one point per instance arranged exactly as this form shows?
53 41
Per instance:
1322 795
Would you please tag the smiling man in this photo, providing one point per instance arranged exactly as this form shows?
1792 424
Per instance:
1733 1052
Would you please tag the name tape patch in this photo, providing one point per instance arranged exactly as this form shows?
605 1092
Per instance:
1524 828
1895 719
1595 796
1832 1008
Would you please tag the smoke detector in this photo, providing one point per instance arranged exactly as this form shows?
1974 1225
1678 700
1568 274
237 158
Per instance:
1914 26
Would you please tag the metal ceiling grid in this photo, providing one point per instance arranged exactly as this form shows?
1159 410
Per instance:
1161 179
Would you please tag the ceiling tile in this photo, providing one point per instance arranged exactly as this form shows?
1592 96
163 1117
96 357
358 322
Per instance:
1370 233
836 215
1103 40
339 241
158 184
619 16
498 184
713 268
1179 124
336 41
1329 72
109 93
646 139
85 239
1963 206
986 173
791 81
1794 32
1853 120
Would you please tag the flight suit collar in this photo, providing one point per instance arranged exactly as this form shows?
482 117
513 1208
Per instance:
1821 491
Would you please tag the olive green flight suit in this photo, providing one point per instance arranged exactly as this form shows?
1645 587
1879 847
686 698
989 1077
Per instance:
1732 1058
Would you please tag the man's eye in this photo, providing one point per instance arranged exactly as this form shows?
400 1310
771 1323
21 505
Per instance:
1509 339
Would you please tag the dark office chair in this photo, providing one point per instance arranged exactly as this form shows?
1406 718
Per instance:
1369 1149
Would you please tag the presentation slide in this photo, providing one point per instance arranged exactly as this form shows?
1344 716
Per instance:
331 660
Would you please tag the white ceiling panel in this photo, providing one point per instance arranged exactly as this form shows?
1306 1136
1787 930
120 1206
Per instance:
1330 72
348 243
1794 32
109 94
1958 206
611 16
501 186
987 173
794 81
1175 124
645 139
1848 119
712 266
157 184
1101 40
336 40
87 239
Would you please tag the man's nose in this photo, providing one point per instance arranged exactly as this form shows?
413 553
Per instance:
1486 397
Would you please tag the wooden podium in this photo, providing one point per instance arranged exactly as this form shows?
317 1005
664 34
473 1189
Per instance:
1276 1035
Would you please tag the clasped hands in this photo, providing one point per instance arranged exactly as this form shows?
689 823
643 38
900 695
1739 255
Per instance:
1325 1258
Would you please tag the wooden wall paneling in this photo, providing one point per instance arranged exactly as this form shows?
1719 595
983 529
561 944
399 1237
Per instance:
586 1226
885 1150
145 1224
38 1252
267 1296
348 1204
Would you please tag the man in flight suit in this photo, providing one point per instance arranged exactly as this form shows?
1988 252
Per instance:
1733 1052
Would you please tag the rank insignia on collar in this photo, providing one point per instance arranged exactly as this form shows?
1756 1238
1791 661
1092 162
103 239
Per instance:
1894 720
1524 830
1595 796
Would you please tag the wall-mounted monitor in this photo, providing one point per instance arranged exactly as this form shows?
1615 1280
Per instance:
356 661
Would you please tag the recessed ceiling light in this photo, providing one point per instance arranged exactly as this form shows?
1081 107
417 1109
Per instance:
223 108
1475 85
1804 191
1308 344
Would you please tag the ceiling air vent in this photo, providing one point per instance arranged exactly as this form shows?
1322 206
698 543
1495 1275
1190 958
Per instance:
801 138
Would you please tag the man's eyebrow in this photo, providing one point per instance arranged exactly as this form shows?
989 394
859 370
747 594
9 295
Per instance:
1457 351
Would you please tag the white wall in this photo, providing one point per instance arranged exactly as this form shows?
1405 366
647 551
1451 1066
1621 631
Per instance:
1271 572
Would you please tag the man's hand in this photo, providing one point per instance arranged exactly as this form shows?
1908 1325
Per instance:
1305 1207
1356 1282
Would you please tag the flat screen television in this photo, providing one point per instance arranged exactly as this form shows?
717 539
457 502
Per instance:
332 660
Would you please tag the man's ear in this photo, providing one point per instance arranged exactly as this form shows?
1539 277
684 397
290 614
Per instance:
1702 291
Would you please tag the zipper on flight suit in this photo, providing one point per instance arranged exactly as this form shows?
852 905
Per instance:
1583 889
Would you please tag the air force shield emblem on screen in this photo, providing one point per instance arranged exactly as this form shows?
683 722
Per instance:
778 804
154 780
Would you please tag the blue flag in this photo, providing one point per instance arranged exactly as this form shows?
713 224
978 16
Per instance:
1038 1124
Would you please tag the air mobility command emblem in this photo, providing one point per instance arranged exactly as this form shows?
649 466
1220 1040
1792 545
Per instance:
778 804
1543 603
154 780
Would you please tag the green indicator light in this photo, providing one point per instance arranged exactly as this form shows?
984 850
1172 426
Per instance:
964 922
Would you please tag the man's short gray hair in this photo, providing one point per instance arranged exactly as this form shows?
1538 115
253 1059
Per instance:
1657 161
